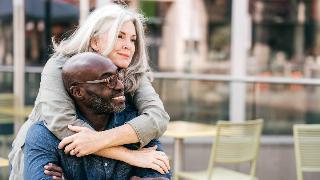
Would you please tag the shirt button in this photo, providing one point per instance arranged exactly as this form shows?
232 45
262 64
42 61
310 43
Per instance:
105 164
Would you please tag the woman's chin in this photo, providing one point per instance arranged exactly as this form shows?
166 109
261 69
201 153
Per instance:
122 65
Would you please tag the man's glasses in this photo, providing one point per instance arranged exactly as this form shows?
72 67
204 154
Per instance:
110 81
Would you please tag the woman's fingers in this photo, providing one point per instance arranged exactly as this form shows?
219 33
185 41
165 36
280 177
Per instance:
76 128
162 165
72 152
80 154
69 139
69 148
65 141
164 158
156 167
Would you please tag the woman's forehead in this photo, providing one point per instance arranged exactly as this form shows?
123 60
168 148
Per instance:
128 27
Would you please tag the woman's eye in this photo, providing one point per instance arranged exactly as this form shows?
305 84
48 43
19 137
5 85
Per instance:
120 36
133 40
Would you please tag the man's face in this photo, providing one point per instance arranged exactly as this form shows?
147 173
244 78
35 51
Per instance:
101 104
104 90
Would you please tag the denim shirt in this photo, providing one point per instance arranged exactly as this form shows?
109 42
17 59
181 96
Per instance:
41 148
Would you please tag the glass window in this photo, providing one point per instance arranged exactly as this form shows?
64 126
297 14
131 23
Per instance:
6 40
155 13
285 39
198 101
282 105
219 30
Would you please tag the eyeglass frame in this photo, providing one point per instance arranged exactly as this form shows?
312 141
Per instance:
106 80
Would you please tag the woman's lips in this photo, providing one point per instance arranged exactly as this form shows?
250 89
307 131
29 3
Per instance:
124 55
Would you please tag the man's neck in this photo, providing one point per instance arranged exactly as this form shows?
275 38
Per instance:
97 121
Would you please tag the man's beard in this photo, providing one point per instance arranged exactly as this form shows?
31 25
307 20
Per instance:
102 105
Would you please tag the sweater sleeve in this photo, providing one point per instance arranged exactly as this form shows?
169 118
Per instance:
57 108
153 119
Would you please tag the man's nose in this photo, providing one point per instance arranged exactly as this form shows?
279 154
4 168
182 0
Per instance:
120 85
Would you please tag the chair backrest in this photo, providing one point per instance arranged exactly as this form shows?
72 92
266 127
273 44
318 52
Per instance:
236 142
307 148
6 102
6 122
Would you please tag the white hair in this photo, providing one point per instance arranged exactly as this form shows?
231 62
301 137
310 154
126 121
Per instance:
109 19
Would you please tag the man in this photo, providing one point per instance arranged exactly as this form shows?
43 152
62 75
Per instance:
98 92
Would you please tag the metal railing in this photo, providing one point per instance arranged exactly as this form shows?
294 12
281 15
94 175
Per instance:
228 78
203 77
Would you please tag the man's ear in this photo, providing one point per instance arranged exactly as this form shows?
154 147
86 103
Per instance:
94 44
76 92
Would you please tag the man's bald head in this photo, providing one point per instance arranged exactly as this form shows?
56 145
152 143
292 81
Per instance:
85 67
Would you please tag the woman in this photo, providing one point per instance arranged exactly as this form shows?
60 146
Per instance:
117 33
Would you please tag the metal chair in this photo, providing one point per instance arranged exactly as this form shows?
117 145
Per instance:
307 148
234 143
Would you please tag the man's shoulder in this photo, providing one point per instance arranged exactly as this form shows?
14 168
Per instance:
38 132
38 127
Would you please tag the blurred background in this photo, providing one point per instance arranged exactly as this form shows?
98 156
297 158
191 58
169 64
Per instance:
213 60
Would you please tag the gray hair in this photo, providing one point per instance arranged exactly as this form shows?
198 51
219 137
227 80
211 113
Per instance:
109 19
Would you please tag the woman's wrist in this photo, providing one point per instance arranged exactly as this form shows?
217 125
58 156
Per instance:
118 153
104 139
128 157
117 136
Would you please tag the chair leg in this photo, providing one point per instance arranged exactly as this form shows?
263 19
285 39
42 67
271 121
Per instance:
175 177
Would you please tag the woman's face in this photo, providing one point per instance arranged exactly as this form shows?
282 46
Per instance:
124 48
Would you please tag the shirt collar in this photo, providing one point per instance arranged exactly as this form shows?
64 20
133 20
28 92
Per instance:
81 117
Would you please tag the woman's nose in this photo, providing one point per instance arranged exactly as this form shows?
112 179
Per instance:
127 44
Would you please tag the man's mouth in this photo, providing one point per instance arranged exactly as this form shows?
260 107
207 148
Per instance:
119 98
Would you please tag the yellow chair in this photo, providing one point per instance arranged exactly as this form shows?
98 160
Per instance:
6 131
6 121
307 148
8 109
234 143
4 162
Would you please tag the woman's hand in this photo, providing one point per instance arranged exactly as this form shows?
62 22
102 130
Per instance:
150 158
84 142
53 170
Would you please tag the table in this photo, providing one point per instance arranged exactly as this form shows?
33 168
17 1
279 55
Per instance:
3 162
180 130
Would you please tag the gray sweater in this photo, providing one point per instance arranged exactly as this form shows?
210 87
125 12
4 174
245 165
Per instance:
54 105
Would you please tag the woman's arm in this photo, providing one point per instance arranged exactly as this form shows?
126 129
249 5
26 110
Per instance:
58 111
150 124
144 158
153 119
